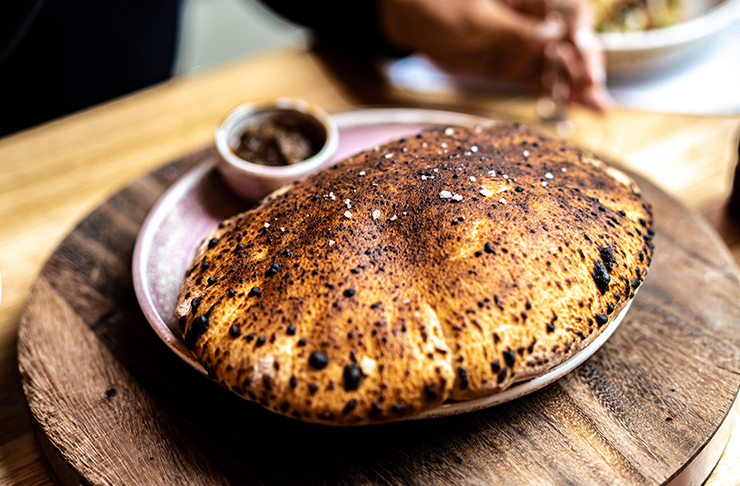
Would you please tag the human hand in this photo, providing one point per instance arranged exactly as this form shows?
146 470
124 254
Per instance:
525 41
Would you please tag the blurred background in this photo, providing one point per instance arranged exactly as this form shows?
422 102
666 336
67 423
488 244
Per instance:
703 83
214 31
81 53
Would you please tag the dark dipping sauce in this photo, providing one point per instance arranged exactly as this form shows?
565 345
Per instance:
281 137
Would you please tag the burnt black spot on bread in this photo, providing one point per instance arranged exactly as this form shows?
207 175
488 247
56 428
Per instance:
349 407
318 360
255 292
198 327
509 357
462 376
607 257
195 304
601 276
274 268
352 377
375 409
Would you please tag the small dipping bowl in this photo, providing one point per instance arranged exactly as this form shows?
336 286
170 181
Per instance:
253 181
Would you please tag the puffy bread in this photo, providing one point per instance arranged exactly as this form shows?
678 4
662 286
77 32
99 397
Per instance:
447 266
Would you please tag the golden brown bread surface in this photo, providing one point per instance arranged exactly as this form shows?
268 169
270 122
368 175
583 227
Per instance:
446 266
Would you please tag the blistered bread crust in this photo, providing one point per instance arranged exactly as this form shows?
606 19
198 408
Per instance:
448 266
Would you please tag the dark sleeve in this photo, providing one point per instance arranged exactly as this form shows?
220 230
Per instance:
78 53
15 19
349 24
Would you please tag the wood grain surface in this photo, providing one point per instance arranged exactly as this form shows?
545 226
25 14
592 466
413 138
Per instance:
52 175
101 385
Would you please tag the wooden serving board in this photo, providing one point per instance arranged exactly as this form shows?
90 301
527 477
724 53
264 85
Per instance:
118 407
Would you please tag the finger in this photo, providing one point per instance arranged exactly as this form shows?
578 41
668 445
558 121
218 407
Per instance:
573 63
579 20
554 78
589 49
602 97
585 60
593 95
596 97
571 83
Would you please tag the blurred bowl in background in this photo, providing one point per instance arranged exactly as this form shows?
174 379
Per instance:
640 54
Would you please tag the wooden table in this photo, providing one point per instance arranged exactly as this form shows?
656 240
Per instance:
52 175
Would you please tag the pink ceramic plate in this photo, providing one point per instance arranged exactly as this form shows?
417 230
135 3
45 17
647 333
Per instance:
189 210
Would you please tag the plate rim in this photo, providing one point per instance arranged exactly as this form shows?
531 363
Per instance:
142 247
347 119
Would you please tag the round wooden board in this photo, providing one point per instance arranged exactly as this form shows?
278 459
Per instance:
120 408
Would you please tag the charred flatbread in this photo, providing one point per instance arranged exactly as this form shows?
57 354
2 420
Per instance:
446 266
